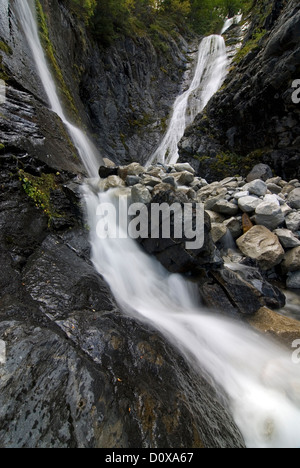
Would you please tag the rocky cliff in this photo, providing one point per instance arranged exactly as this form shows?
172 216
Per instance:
75 370
253 118
121 94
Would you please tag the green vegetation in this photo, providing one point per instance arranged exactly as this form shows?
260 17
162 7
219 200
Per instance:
5 48
227 164
109 19
2 147
39 190
49 50
251 45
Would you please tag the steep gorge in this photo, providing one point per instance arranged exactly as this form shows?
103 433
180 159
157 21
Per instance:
82 372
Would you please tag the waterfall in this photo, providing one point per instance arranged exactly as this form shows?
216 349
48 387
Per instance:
27 15
230 21
258 377
210 73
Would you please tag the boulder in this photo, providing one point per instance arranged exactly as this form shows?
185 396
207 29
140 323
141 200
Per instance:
113 182
260 171
292 221
235 227
105 172
291 260
151 181
249 204
218 231
132 180
243 194
225 207
293 280
133 169
269 215
108 163
183 167
284 329
184 178
274 188
294 199
257 187
287 238
140 194
262 245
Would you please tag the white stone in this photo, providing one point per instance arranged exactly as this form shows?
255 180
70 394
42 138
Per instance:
292 221
249 204
269 215
2 352
257 187
239 195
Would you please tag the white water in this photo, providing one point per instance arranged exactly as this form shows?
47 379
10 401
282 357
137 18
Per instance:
27 16
209 76
262 383
230 21
259 376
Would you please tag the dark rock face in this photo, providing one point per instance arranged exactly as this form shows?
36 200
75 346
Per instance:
78 372
123 94
254 116
172 252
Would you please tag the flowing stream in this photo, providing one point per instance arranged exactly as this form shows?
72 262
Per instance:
259 378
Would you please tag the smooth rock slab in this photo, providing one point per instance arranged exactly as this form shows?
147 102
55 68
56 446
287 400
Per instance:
262 245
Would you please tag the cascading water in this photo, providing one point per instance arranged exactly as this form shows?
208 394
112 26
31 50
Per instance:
258 377
210 73
87 151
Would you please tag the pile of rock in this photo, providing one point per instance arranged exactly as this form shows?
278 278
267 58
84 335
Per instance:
262 216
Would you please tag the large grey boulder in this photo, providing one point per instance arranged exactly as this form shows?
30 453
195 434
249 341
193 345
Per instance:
260 171
249 204
291 260
294 199
287 238
269 215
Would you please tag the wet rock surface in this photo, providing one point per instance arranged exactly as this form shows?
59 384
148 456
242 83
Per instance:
75 371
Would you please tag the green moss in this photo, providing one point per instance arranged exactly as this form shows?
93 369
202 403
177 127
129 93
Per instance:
49 50
251 45
231 164
39 190
2 147
5 48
